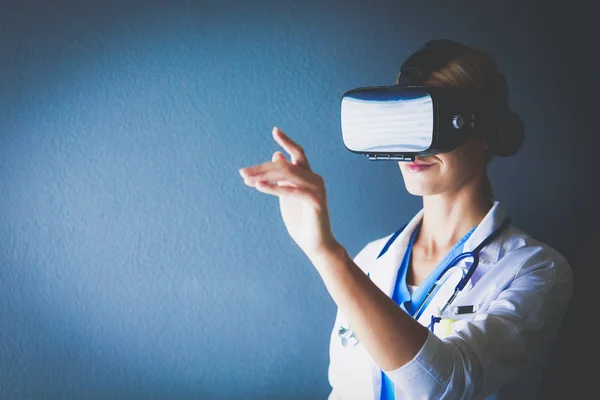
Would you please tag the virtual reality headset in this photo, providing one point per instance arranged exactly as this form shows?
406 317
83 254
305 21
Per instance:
402 121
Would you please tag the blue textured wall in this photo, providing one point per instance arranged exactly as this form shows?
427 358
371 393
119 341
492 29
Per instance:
134 262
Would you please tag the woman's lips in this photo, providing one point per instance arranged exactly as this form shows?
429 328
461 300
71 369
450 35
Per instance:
418 166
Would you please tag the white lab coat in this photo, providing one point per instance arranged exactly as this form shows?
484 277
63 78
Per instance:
522 288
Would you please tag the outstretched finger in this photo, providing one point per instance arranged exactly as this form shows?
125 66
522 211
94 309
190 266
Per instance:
285 191
286 173
295 151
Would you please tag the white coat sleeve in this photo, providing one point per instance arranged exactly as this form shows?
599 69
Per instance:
513 336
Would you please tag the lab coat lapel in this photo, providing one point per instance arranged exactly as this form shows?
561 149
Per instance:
385 268
492 221
490 254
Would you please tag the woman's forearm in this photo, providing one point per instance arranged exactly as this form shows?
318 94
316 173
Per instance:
389 334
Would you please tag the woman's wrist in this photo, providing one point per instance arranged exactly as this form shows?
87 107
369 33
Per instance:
329 254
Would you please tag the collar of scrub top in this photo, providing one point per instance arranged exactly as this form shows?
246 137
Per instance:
384 270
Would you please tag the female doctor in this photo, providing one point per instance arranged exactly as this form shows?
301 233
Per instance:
392 339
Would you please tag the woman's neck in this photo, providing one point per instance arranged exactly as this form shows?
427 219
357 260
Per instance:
448 217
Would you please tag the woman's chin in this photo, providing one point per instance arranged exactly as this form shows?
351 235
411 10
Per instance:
420 190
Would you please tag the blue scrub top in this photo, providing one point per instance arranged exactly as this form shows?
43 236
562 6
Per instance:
410 303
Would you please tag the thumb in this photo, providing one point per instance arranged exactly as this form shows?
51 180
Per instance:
277 156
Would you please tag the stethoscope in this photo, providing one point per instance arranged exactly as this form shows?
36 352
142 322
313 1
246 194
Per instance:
452 273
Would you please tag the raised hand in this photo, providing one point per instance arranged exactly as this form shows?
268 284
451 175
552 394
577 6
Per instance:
301 192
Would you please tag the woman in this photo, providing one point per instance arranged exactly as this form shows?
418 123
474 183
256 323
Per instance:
498 343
